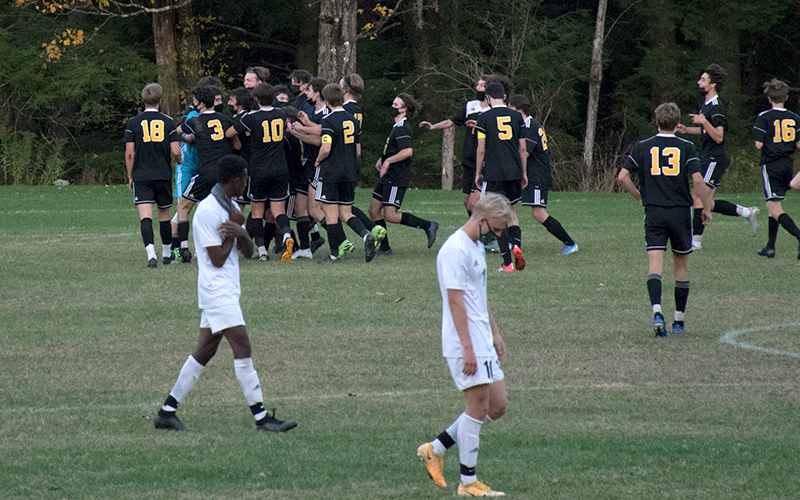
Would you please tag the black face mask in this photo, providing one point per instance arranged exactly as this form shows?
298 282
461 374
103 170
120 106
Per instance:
312 102
481 95
218 108
395 112
295 89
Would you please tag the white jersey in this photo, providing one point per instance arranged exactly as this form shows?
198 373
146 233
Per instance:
216 286
461 265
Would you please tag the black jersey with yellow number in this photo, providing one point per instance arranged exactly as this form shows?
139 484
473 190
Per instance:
469 112
266 127
538 164
310 151
664 164
209 138
400 137
354 109
714 112
777 129
501 128
152 134
244 136
340 129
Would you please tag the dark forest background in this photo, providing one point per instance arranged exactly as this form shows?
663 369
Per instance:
71 77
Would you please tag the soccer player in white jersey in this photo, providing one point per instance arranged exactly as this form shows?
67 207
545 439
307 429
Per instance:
218 231
471 342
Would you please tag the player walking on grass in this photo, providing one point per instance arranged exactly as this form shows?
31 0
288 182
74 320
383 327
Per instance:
501 166
471 343
540 180
712 123
664 164
218 232
151 142
775 134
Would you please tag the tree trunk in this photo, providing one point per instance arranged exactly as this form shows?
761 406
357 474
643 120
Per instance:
595 79
336 54
189 64
166 57
448 144
662 58
418 36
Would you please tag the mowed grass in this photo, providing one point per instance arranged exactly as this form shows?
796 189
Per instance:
92 343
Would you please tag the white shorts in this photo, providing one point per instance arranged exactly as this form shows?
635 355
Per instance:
488 371
222 317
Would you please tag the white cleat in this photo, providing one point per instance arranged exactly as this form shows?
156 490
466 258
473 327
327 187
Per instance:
753 220
302 254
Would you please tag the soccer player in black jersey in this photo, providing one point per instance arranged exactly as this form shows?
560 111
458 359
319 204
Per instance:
501 166
300 81
268 173
776 135
208 130
394 168
664 164
540 179
714 159
151 142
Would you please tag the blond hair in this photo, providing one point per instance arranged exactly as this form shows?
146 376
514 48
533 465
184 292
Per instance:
668 114
151 94
493 206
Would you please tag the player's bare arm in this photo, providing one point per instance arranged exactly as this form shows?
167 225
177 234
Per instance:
455 298
175 149
480 153
523 156
324 151
130 154
497 340
437 126
400 156
624 178
716 133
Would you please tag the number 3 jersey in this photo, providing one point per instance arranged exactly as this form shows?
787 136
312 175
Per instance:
209 138
777 130
664 164
152 133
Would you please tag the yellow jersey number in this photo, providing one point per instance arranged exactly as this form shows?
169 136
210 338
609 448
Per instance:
504 132
784 131
153 131
349 132
543 137
360 119
673 158
276 129
218 134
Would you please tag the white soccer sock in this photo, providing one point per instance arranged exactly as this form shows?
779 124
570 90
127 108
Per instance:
314 229
678 316
286 236
743 211
468 441
166 250
248 380
175 218
697 238
262 250
452 431
187 378
438 447
151 251
185 244
487 420
656 308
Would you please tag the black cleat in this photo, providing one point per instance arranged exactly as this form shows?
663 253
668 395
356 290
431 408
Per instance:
768 252
186 255
369 247
167 260
152 263
170 423
315 244
272 424
431 232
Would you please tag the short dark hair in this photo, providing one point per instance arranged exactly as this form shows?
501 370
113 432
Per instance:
668 114
291 113
717 74
230 167
333 95
776 90
281 89
503 80
495 90
300 75
261 72
354 85
264 94
411 104
205 95
317 84
520 102
244 98
211 81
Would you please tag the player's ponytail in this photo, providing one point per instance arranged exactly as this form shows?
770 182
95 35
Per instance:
411 104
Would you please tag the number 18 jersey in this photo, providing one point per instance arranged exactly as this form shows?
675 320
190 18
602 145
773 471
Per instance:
664 164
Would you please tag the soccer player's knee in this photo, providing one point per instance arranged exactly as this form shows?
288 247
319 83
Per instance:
496 411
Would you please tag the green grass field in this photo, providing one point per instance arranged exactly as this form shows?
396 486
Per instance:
598 408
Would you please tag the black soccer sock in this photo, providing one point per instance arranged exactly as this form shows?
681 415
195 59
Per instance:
257 228
257 408
385 242
515 234
269 232
356 225
774 225
654 288
183 233
363 218
303 226
725 208
248 225
146 228
412 220
446 440
554 227
681 295
335 237
176 242
697 222
323 224
282 221
789 225
165 229
171 402
502 242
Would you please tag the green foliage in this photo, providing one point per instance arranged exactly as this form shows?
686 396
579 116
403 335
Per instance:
30 159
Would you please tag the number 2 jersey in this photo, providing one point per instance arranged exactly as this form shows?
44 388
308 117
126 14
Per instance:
209 138
152 133
340 129
777 129
664 164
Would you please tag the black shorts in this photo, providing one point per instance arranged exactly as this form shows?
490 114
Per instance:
243 199
336 193
510 189
714 168
534 196
389 196
297 182
777 177
668 223
149 192
468 180
199 188
261 189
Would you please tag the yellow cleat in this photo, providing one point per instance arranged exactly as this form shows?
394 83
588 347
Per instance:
287 255
477 489
433 462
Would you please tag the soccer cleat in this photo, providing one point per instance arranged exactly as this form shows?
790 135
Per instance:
152 263
493 247
389 252
168 259
329 259
659 326
272 424
678 327
345 248
768 252
433 462
279 249
477 489
304 253
379 232
369 247
176 254
519 262
696 245
287 254
315 244
170 423
263 257
186 255
753 219
506 268
569 249
431 232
